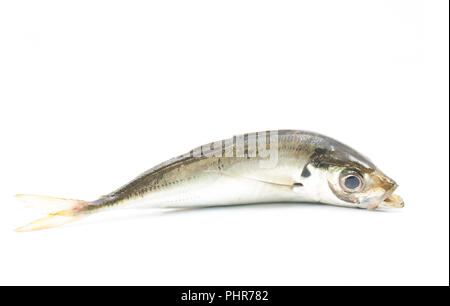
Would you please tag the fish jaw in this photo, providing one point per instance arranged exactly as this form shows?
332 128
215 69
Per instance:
388 200
394 201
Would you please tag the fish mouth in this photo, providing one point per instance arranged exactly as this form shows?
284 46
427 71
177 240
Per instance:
391 199
394 201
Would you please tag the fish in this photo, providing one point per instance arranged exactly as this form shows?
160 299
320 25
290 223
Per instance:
277 166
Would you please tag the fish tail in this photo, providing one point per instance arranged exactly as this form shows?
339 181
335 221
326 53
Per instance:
61 211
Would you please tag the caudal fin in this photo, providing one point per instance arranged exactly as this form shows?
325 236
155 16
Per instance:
61 211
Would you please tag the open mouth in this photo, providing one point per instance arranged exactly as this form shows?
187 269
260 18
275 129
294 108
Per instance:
388 200
393 200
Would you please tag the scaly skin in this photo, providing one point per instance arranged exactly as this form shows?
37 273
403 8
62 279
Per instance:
189 181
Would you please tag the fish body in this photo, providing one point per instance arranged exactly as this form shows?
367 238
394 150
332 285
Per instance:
266 167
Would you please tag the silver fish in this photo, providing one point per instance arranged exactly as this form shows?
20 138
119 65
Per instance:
265 167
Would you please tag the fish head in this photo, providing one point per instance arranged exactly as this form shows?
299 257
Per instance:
362 187
350 179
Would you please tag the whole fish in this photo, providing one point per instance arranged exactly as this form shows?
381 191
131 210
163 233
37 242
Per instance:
265 167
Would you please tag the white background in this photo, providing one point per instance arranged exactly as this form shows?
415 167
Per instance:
93 93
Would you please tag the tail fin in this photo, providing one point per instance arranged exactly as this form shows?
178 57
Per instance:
61 211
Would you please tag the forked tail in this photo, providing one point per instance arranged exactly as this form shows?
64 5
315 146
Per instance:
61 211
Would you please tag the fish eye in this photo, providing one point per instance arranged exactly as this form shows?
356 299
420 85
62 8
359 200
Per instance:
351 182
